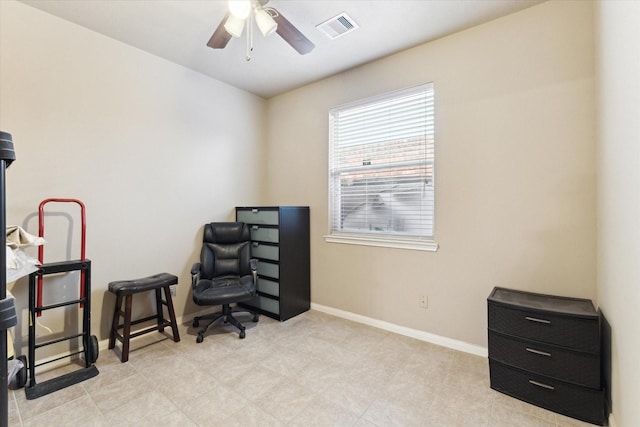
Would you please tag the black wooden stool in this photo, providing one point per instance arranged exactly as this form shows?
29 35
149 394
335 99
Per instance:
126 288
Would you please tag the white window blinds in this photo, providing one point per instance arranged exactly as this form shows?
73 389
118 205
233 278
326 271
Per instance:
381 158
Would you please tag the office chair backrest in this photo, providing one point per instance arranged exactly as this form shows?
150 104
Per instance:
226 250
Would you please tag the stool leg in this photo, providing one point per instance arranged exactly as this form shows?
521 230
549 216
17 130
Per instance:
172 313
114 323
126 334
159 311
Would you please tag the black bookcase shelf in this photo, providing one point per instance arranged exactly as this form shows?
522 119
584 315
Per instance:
280 241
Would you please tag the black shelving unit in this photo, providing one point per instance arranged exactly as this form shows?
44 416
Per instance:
7 309
280 241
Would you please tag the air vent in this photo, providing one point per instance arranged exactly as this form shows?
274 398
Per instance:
338 26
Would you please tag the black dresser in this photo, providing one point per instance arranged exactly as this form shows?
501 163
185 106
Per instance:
546 350
281 243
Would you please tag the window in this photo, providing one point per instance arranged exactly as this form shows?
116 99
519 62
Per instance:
381 158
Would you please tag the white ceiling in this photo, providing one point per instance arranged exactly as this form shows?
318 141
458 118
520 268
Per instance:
178 30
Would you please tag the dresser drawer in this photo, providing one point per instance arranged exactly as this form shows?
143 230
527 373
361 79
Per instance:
265 234
269 269
257 216
578 402
555 362
265 303
571 332
266 251
268 286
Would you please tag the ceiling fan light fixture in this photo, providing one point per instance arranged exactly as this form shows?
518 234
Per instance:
234 25
240 8
268 20
265 22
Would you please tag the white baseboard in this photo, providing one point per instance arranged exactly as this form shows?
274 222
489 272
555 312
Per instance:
402 330
612 421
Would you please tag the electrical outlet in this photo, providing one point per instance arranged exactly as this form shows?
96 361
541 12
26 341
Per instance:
423 301
174 289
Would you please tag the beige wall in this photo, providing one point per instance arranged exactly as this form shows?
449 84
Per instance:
515 172
153 149
618 61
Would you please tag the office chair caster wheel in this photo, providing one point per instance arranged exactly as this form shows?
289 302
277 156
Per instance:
200 338
242 335
196 323
255 318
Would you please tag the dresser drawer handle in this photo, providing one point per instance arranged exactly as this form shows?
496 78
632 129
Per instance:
255 227
541 353
255 244
534 319
254 211
536 383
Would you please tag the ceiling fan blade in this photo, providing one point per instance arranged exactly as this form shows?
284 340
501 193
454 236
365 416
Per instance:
291 34
220 36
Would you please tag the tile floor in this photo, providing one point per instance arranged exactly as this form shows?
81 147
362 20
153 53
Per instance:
312 370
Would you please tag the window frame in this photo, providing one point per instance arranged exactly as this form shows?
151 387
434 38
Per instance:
382 239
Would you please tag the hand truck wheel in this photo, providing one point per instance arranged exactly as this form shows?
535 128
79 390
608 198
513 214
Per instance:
94 349
21 376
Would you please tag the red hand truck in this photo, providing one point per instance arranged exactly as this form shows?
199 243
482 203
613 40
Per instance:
36 308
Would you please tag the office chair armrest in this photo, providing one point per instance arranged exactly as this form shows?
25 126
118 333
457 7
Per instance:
254 269
195 274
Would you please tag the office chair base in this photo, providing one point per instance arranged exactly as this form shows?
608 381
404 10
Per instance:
227 316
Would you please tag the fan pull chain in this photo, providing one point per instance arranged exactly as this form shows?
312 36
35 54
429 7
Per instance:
249 37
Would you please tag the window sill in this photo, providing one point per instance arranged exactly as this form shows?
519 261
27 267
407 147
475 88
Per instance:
383 241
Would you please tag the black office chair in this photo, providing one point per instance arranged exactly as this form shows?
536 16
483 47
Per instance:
225 275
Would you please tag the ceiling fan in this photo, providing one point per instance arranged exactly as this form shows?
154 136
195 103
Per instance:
242 13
